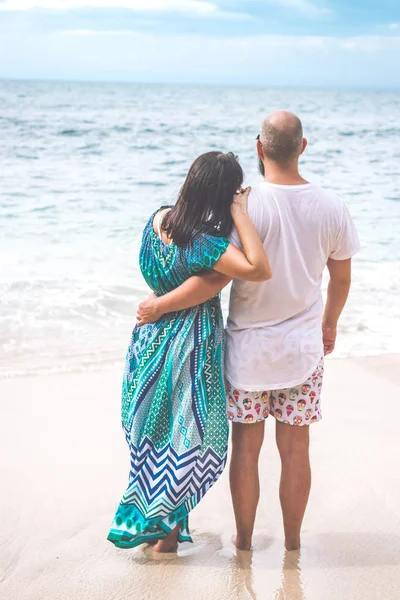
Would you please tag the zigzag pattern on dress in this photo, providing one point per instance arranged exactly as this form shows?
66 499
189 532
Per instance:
162 480
149 352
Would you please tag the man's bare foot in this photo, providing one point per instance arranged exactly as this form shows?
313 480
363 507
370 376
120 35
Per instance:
169 543
292 544
243 545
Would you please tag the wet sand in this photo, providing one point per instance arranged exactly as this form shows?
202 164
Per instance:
64 465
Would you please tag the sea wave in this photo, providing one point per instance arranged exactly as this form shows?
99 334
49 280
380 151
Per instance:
81 175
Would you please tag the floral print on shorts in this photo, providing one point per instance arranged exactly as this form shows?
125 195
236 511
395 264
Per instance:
298 405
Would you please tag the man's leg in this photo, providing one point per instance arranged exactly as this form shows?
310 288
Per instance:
293 446
245 486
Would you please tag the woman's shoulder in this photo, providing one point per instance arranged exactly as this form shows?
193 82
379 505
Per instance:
149 222
148 233
149 227
153 222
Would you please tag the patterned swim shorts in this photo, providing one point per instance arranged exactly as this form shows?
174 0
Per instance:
299 405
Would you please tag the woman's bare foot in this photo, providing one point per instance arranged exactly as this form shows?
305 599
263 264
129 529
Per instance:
169 543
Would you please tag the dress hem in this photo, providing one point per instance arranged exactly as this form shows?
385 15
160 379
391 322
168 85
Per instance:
116 536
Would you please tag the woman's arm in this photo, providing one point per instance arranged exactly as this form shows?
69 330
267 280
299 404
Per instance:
252 264
194 291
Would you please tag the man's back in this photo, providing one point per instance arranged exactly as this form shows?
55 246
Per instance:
274 328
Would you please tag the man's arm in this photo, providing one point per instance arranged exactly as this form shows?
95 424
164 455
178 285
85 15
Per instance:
338 291
194 291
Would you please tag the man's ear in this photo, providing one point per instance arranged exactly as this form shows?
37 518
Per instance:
260 151
305 144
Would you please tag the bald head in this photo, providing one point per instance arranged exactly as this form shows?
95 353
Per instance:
282 137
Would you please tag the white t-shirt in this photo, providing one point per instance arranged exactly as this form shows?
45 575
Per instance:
274 335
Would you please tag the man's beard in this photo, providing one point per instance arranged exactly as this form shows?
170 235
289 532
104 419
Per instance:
261 167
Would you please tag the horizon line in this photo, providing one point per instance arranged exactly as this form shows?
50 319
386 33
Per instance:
330 86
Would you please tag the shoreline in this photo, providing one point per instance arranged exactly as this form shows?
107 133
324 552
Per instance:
64 465
118 364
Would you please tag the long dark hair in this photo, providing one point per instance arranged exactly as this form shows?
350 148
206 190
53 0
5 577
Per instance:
204 202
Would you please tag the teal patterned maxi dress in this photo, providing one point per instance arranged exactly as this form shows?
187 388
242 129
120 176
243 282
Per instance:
173 399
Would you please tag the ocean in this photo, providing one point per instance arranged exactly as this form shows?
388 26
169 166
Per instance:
83 165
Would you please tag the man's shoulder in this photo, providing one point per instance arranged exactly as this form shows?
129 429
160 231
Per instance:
330 201
258 198
327 193
257 191
263 190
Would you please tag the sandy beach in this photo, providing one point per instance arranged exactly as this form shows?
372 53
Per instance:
64 465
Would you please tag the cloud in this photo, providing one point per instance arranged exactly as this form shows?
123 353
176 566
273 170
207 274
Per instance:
93 32
197 6
394 26
219 50
267 60
368 44
249 43
304 6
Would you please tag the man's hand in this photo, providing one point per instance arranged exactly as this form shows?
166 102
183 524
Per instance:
329 339
148 311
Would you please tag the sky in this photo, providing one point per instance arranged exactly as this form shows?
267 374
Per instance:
319 43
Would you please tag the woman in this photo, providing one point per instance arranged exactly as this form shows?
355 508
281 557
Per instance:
173 398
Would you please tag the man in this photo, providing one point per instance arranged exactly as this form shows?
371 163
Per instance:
275 346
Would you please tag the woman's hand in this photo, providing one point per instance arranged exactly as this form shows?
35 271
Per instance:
239 204
252 264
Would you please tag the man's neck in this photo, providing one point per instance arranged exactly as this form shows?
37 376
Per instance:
283 176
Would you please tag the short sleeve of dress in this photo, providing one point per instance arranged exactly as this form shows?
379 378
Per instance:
204 251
